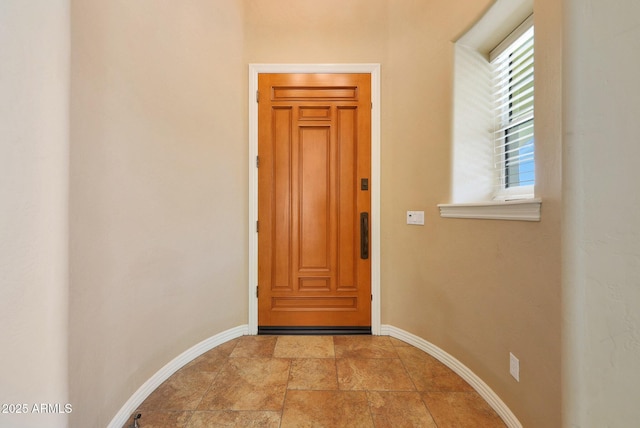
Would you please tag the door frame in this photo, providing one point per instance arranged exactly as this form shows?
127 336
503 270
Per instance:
369 68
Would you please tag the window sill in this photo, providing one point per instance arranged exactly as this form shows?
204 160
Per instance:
522 210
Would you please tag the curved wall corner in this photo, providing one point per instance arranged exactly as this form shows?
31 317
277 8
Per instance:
463 371
170 368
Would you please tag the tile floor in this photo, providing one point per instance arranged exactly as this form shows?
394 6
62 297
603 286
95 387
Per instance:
316 381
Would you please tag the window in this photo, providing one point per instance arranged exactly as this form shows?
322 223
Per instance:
493 147
513 127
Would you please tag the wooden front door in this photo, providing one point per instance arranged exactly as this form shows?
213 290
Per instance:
314 151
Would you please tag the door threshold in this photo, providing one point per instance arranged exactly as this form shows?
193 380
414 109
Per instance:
313 331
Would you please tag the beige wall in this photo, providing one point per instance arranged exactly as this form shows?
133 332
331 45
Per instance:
159 188
34 136
478 289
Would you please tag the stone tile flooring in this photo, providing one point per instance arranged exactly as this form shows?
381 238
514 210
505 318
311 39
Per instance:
316 381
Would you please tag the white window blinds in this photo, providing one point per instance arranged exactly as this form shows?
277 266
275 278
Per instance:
513 136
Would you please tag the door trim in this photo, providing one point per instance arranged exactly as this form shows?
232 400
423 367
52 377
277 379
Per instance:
374 70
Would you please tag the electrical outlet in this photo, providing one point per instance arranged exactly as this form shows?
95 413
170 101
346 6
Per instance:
514 366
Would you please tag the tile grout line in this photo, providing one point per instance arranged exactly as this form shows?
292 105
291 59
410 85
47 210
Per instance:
286 387
420 393
335 355
424 403
335 362
211 385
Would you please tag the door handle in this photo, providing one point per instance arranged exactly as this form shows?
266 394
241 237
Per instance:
364 235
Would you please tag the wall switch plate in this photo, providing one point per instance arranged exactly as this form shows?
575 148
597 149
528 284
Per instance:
514 366
415 217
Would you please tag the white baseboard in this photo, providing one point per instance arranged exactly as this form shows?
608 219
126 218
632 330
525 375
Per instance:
170 368
463 371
